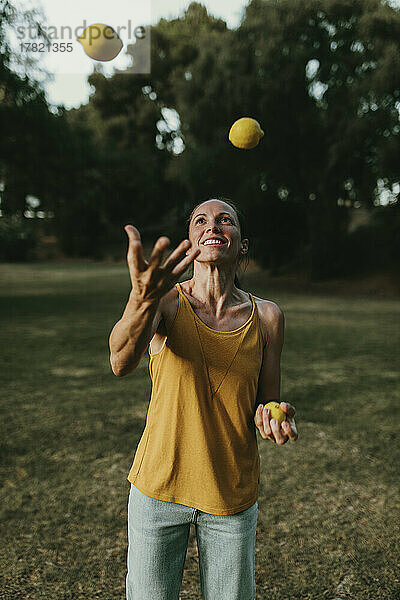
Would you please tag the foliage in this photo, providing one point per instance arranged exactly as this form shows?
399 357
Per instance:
17 239
30 153
332 147
374 247
321 76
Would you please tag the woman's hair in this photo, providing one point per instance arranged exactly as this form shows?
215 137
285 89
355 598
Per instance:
241 219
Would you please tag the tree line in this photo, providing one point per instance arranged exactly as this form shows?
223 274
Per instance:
321 76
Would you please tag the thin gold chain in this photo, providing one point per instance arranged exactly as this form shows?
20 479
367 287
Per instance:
205 361
202 349
204 358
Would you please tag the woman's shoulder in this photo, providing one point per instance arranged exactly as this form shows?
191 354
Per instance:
266 304
269 312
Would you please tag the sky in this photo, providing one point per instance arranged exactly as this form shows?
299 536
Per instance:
69 70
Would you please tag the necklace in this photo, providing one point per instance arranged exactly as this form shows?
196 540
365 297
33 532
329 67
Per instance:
205 361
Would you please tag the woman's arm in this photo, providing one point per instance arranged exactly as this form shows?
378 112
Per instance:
151 281
270 374
132 334
270 379
273 322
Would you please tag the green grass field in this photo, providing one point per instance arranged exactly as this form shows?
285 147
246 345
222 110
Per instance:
329 525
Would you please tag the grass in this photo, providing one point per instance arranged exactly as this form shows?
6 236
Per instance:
329 504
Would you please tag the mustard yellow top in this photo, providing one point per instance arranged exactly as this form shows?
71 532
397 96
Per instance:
199 446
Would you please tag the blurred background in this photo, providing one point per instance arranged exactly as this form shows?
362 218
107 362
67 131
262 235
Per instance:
320 192
83 154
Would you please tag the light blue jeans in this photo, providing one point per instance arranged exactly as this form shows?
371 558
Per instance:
158 534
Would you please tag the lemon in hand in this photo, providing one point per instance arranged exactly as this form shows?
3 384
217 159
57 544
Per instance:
245 133
100 42
276 412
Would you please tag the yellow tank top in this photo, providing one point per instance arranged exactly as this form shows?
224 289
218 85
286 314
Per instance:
199 446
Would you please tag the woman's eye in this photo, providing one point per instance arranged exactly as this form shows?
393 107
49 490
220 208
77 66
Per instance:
223 218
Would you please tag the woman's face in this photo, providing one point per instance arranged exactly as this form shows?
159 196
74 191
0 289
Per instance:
217 220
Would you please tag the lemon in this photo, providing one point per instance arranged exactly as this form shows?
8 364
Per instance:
100 42
276 411
245 133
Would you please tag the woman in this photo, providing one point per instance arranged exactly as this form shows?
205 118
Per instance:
214 355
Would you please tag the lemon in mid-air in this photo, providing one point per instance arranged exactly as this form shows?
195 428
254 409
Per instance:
100 42
276 411
245 133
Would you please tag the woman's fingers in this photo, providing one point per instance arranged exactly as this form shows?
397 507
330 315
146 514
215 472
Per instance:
135 258
262 422
278 433
267 424
288 408
269 429
152 274
176 255
175 265
157 253
185 262
290 429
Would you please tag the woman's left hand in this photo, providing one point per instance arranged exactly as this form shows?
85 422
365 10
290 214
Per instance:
270 429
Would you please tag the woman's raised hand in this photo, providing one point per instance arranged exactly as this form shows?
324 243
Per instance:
151 280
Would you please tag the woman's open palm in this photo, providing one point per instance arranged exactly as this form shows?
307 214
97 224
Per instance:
151 280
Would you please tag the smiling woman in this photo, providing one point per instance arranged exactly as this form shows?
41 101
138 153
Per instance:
241 220
217 355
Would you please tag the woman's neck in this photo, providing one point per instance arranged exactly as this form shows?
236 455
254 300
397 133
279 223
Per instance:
216 294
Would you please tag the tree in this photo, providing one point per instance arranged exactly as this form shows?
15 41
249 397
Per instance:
321 76
28 142
319 147
134 144
29 130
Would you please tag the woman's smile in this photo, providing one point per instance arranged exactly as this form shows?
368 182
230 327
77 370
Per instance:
213 242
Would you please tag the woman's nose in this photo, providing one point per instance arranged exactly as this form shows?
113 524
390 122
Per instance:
213 227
